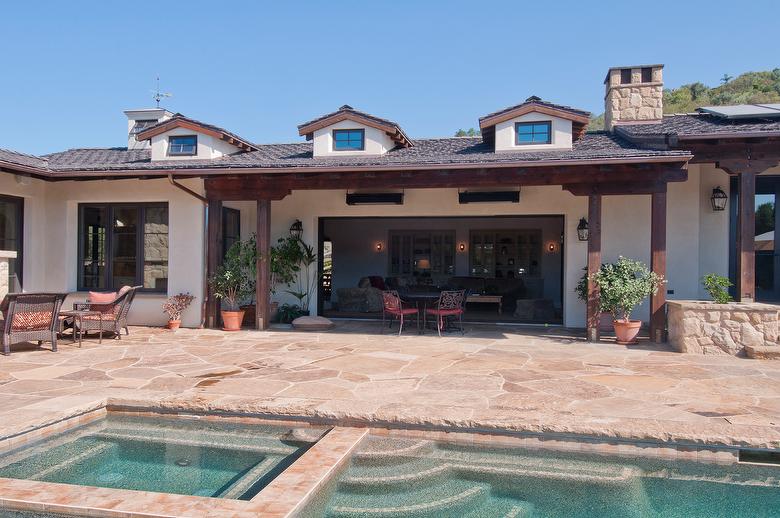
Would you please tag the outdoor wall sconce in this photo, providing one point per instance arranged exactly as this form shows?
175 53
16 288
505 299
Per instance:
582 230
296 229
462 247
378 247
718 199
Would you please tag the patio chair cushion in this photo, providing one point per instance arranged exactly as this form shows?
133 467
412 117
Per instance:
31 321
403 311
96 297
444 312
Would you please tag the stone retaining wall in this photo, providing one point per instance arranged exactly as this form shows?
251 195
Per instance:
736 328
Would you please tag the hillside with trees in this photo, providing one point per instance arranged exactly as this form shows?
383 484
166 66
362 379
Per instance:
748 88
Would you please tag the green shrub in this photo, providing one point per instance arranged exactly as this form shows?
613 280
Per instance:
718 287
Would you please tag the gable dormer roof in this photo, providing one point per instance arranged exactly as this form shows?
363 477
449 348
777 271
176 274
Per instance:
347 112
180 121
578 118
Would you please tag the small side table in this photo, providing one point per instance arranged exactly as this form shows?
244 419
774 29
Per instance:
78 319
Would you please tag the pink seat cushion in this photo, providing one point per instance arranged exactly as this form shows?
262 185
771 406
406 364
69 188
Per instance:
96 297
405 311
444 312
31 321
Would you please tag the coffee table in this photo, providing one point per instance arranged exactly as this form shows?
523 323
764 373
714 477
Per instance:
486 299
78 319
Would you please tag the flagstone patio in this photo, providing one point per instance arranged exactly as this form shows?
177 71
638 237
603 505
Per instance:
493 378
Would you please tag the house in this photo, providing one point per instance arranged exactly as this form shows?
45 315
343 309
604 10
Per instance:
499 213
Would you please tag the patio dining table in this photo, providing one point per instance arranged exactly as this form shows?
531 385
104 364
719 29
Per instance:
425 299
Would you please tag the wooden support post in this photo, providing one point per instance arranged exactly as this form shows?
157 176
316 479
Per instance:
214 259
263 285
594 263
746 231
658 265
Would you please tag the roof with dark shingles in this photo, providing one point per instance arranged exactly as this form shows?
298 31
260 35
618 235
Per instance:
181 117
536 100
14 157
693 124
446 151
349 109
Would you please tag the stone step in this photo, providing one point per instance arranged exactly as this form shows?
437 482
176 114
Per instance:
763 352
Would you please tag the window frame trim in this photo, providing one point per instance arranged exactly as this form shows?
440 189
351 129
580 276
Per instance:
362 139
523 123
170 143
141 207
19 201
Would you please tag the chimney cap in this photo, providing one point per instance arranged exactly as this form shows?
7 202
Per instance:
610 69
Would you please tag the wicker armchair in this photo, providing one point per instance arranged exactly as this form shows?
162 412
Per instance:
113 315
30 317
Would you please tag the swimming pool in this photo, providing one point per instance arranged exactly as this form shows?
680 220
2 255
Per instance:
168 455
391 477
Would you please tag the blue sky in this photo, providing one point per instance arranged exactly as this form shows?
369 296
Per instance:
259 69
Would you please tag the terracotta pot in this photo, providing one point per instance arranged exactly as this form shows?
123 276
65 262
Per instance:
173 325
231 320
626 331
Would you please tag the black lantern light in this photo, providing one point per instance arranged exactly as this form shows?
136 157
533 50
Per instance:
296 229
582 230
718 199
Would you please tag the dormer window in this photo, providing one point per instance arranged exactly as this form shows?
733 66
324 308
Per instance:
529 133
349 140
183 145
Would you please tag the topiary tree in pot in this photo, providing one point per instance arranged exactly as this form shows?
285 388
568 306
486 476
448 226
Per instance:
623 286
229 284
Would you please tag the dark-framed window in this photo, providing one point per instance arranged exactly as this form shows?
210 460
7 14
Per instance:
527 133
123 244
647 75
349 140
625 76
11 233
183 145
231 228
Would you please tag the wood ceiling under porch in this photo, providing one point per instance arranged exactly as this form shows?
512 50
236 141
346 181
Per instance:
581 179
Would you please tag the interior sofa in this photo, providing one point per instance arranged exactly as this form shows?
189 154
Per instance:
365 298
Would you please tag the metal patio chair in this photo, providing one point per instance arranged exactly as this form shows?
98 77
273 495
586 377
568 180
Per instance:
393 306
31 317
450 305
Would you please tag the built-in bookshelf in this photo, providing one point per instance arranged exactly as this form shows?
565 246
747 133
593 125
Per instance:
506 254
416 252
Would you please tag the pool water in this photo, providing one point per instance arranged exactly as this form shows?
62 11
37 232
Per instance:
390 477
168 455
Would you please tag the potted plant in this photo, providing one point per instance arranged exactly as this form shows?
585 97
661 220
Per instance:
622 287
284 259
229 284
174 307
306 279
605 317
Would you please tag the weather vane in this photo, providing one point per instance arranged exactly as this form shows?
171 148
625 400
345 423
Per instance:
158 95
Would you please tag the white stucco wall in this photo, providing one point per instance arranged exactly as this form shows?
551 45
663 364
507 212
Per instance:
561 133
50 251
377 142
208 146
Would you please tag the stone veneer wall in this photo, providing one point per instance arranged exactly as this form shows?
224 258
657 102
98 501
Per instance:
634 101
735 328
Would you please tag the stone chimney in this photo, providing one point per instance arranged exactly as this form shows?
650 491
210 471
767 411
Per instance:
633 95
138 120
